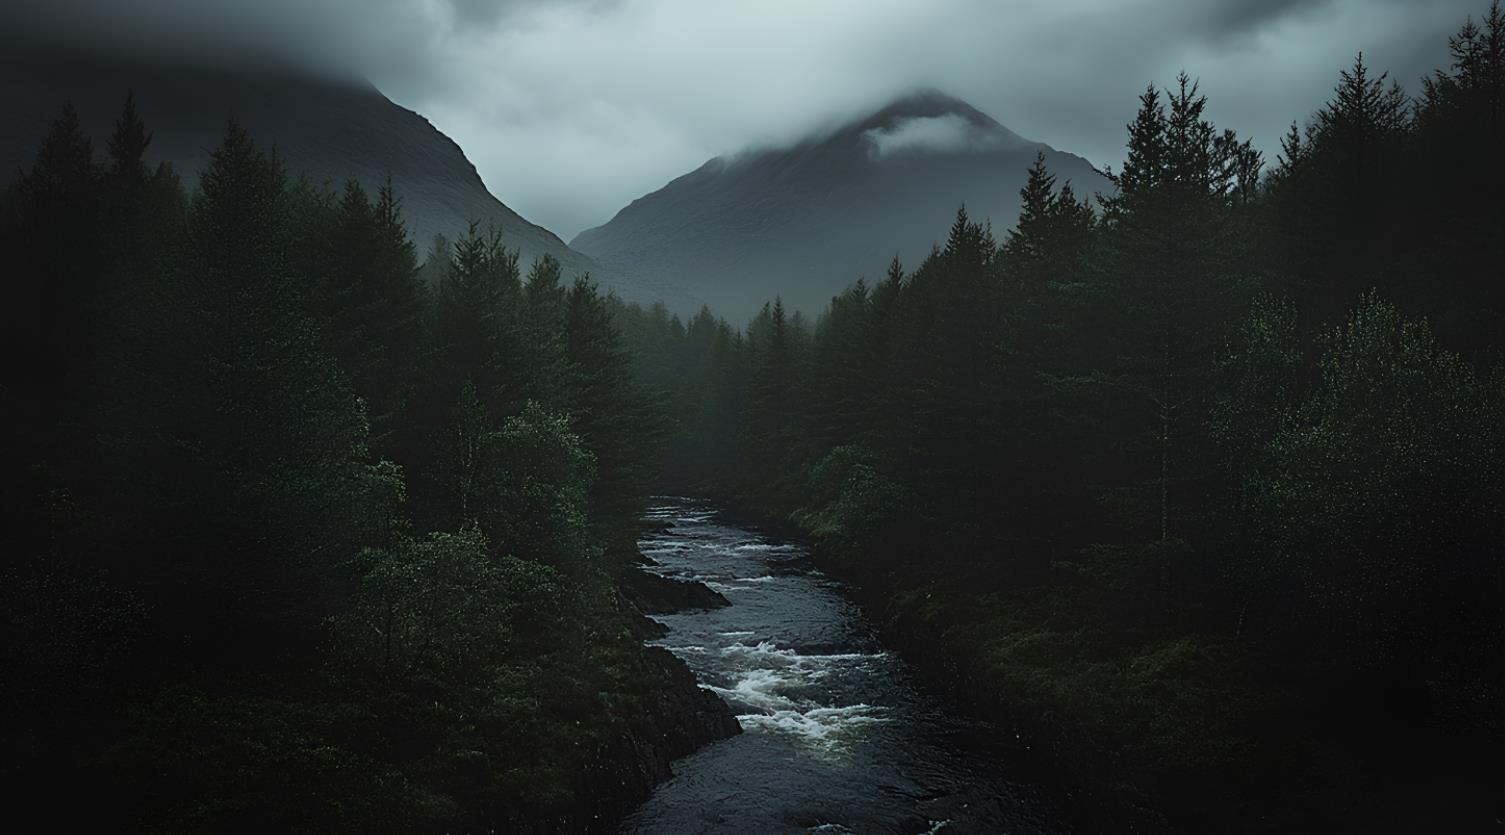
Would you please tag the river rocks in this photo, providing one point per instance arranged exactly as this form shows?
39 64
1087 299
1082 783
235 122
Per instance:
678 716
655 595
677 719
695 715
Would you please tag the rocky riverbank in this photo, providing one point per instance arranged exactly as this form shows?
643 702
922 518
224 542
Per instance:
677 716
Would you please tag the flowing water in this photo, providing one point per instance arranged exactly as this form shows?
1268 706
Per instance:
837 738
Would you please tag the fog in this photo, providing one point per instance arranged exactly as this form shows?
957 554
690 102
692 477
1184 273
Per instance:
572 109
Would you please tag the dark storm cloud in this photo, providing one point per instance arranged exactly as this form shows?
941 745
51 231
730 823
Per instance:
1236 16
398 38
571 109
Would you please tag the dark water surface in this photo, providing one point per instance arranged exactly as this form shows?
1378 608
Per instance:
837 738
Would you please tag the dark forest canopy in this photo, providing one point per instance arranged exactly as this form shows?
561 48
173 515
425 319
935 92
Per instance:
296 535
1199 482
1210 467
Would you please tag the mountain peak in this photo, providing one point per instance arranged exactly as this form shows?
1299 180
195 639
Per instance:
925 103
930 120
803 221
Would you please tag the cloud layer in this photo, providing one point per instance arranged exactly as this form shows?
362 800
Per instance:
949 133
571 109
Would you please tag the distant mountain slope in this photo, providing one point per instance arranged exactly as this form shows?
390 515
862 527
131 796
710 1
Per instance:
805 221
332 131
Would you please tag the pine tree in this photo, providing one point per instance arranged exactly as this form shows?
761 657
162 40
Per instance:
280 476
128 144
1169 267
1026 242
56 262
371 301
611 416
1363 113
545 305
239 227
1342 196
1293 155
769 426
839 358
475 308
1461 116
1145 164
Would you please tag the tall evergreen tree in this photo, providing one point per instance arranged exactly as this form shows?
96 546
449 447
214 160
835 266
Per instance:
279 468
610 414
1169 264
372 304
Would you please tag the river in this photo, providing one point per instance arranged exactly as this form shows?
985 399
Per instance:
837 736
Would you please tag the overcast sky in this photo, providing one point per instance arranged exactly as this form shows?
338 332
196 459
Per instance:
571 109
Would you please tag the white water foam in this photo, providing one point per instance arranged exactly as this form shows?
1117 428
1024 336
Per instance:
768 651
759 690
763 692
826 730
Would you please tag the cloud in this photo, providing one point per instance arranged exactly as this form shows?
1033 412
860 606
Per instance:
1233 18
949 133
572 109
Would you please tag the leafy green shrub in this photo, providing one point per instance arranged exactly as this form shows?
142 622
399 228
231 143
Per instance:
1387 481
442 608
852 504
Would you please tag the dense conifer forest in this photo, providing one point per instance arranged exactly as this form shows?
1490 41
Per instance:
1199 481
1198 484
299 535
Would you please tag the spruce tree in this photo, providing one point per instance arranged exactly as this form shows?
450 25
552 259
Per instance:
1168 266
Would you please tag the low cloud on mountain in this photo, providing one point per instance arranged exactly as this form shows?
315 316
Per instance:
571 109
949 133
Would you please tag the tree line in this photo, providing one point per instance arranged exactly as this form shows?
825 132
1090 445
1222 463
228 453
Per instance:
1241 424
299 534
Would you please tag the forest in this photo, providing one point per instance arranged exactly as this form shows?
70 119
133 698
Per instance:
1199 485
1199 482
301 535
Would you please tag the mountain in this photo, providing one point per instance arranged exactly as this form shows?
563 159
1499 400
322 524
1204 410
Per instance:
330 130
805 221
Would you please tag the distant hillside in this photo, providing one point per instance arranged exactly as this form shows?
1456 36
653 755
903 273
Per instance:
805 221
331 131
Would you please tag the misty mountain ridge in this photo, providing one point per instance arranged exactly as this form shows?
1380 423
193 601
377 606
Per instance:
330 130
805 220
931 121
800 221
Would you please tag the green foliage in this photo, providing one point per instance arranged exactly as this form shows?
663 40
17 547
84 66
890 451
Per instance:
1152 413
1170 257
1111 490
371 302
613 417
442 610
217 614
542 504
251 762
1386 483
1257 372
526 484
851 506
65 634
473 329
279 458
